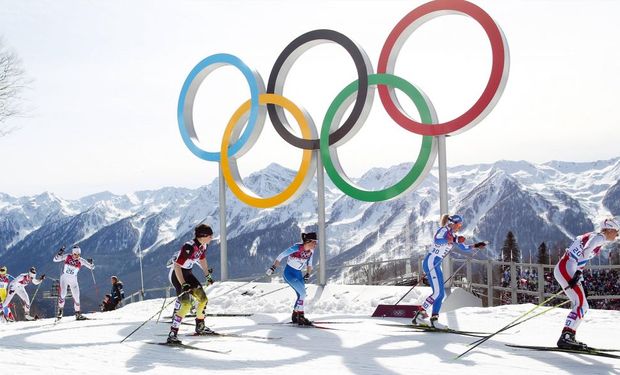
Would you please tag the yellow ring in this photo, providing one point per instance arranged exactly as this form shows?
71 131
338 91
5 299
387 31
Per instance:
306 162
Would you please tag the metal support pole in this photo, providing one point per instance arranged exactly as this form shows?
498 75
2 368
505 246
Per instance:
320 189
541 283
489 283
223 247
513 283
469 274
141 273
443 197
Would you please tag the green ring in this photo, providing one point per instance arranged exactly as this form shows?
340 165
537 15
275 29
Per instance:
420 168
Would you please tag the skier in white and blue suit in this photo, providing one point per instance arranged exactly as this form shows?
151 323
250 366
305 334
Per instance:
445 238
299 255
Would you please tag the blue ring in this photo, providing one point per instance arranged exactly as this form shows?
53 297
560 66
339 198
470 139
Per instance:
184 126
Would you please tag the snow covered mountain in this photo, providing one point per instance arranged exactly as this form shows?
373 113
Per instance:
549 202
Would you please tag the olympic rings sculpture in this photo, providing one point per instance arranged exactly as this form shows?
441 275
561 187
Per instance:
271 101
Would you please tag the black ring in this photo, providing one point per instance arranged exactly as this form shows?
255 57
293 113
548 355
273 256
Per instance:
363 70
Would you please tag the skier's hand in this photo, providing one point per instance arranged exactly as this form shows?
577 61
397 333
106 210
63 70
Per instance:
91 261
209 279
460 239
577 277
306 277
479 245
186 287
271 270
42 277
61 251
11 291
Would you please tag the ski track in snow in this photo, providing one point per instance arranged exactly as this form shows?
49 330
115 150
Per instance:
364 347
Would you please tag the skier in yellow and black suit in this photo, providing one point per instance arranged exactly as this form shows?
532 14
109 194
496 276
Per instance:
186 284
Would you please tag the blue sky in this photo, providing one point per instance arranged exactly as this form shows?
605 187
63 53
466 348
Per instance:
106 78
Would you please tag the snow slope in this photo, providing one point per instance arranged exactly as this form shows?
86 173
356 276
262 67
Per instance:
362 347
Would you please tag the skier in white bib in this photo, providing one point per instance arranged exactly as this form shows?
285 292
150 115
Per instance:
18 287
569 274
73 263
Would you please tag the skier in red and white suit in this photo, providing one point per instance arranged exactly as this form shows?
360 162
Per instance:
18 286
568 272
73 263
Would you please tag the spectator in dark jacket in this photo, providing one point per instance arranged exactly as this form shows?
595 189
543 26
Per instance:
117 294
106 305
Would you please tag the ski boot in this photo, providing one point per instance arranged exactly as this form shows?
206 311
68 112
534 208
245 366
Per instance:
29 317
59 315
294 317
567 340
420 318
79 316
435 323
172 337
302 320
202 329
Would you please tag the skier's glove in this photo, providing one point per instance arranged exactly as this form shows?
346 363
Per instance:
478 245
577 277
271 270
91 261
209 279
186 287
42 277
306 277
61 251
11 291
460 239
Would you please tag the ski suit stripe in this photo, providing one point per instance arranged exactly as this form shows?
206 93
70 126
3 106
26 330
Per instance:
434 273
295 279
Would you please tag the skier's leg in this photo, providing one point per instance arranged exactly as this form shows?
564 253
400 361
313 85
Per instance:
75 292
21 292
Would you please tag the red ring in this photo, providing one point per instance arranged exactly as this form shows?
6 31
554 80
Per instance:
495 80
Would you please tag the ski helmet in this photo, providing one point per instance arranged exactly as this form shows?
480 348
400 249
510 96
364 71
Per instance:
76 250
455 219
3 270
610 223
33 272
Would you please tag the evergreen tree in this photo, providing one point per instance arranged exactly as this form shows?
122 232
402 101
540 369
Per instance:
510 249
543 254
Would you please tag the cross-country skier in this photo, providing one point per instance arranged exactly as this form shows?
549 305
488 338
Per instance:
72 264
568 272
187 285
18 287
443 242
5 279
299 255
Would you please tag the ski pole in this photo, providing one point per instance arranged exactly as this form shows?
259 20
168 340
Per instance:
95 283
509 324
240 286
525 320
163 305
273 291
158 312
35 292
444 283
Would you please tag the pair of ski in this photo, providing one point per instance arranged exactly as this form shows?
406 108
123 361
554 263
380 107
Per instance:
314 324
216 334
426 328
222 334
589 351
190 347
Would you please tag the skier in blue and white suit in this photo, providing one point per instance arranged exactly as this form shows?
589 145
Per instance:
299 255
445 238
